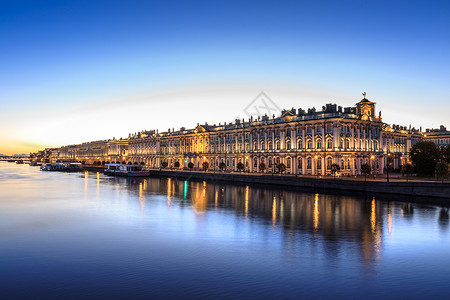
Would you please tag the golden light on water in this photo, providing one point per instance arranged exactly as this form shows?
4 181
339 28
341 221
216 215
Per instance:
274 211
97 193
141 196
373 216
246 201
216 198
169 190
316 212
86 177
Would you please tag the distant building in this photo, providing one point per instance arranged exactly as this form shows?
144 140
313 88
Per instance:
441 136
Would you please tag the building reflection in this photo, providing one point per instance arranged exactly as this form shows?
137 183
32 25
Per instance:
330 217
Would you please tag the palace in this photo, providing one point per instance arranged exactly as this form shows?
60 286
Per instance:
306 142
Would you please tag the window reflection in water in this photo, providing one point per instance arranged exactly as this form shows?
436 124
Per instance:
329 217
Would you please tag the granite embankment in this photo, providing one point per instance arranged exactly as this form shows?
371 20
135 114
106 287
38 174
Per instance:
412 188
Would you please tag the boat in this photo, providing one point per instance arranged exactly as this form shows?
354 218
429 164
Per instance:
19 162
62 166
126 170
34 164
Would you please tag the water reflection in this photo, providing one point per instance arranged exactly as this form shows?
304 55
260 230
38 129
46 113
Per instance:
332 217
444 218
246 241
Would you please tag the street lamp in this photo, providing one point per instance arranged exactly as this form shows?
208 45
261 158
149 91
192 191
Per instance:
372 158
317 170
388 166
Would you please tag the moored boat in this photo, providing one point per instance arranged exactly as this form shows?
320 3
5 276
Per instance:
126 170
62 166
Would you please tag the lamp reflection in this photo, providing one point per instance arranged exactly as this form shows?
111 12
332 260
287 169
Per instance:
169 190
97 194
274 211
316 212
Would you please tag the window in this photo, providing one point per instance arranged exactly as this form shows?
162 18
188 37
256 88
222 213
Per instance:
329 144
270 162
308 144
300 163
277 145
319 144
299 144
319 163
329 128
309 163
288 163
329 163
288 145
270 145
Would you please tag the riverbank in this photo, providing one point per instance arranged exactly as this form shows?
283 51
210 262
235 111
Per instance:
412 188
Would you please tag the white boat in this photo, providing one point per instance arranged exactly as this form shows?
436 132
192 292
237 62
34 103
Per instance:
62 166
126 170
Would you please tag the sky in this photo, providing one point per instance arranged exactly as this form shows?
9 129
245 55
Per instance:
77 71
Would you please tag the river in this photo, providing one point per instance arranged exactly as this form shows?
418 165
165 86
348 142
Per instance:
89 236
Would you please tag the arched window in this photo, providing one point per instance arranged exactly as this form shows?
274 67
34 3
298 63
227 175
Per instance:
255 162
288 145
319 163
319 144
278 160
308 144
288 163
270 145
342 164
348 163
329 144
309 163
299 145
277 145
270 162
329 163
262 146
300 163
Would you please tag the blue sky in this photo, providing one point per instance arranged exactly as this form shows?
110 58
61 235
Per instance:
71 69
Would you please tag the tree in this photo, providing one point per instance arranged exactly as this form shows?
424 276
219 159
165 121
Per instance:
424 156
222 166
442 169
164 164
366 169
335 168
177 164
205 165
124 163
190 165
445 153
240 166
281 168
262 167
407 169
142 163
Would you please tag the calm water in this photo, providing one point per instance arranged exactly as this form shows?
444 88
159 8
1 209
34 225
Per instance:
88 236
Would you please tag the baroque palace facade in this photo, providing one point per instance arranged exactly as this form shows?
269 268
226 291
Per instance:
306 142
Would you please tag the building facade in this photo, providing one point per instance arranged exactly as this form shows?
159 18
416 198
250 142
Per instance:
305 142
